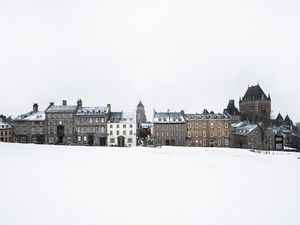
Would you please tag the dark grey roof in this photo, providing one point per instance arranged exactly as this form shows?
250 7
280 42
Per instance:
168 117
255 93
206 116
61 109
115 117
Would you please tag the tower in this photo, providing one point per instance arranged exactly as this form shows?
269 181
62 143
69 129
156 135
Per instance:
140 114
255 106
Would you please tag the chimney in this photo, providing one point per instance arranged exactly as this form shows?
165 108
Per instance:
79 103
64 102
51 103
109 107
35 107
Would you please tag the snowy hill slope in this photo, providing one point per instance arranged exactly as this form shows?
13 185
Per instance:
60 185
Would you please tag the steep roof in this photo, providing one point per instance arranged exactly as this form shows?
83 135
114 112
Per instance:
288 121
140 105
31 116
255 93
279 118
231 109
243 128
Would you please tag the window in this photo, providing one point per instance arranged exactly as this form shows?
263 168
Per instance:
112 140
226 133
211 125
84 138
124 125
129 140
118 132
102 120
111 132
131 132
111 126
79 138
226 125
212 134
189 125
118 126
97 120
162 134
167 133
203 125
204 143
196 125
219 142
41 130
189 134
219 133
32 130
219 125
204 133
102 129
130 125
226 142
69 139
91 120
23 139
196 134
124 132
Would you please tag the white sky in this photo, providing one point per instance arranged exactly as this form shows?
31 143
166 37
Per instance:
170 54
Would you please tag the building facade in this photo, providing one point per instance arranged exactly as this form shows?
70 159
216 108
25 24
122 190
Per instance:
121 129
60 123
255 106
169 128
6 130
91 125
30 127
208 129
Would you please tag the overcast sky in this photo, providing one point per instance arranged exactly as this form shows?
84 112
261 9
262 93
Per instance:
175 55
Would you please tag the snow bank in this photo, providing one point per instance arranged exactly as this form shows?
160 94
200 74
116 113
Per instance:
61 185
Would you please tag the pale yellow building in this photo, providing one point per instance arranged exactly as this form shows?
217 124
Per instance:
6 130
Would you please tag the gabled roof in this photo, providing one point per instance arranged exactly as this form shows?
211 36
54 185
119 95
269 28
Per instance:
279 118
243 128
288 121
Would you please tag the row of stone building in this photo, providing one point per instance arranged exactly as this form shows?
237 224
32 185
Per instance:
250 126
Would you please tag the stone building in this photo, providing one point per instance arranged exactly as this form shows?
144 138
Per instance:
6 129
251 136
30 127
208 129
255 106
169 128
91 125
121 129
60 123
143 130
140 114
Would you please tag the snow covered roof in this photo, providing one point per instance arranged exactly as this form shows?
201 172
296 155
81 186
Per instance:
61 108
168 117
5 125
31 116
243 128
207 116
146 125
91 110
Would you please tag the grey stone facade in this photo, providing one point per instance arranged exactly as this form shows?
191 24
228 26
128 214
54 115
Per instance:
60 120
30 127
169 128
91 125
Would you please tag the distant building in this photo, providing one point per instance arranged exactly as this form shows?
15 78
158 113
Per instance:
255 106
30 127
169 128
60 123
251 136
91 125
208 129
121 128
232 111
140 114
6 129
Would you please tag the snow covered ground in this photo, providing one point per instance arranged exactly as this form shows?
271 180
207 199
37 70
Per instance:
61 185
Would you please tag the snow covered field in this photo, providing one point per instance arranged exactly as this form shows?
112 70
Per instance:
61 185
